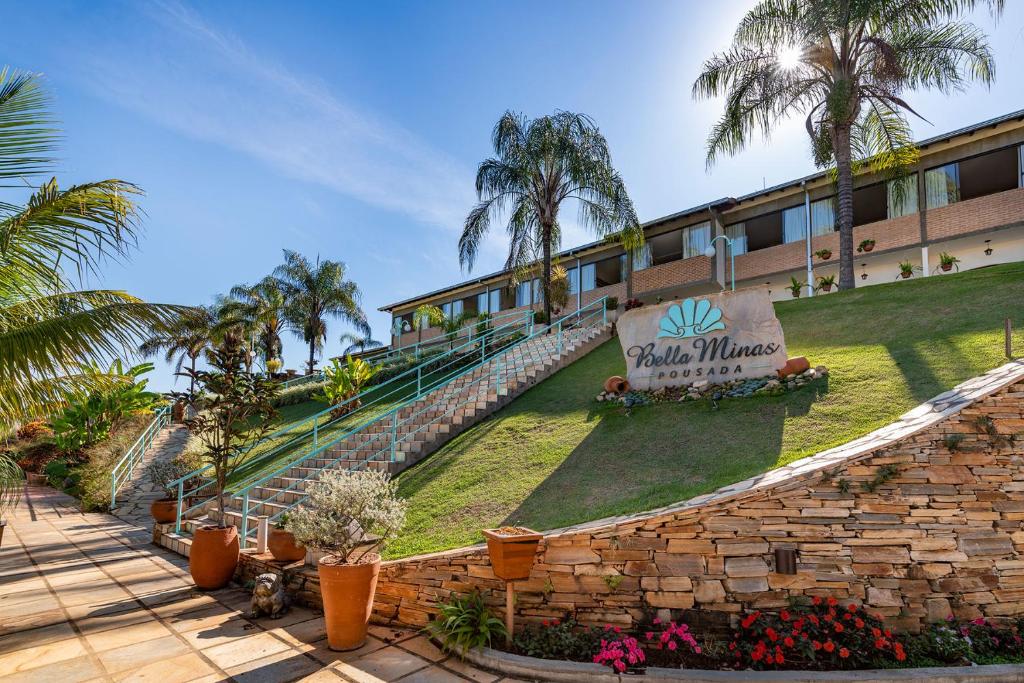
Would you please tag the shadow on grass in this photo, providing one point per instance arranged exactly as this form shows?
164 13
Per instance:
623 465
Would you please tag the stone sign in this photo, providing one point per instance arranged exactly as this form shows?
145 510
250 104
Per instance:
717 337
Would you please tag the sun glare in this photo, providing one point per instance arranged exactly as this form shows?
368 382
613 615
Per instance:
788 57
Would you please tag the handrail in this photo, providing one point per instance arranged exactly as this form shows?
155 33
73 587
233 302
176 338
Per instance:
363 401
302 379
437 341
500 367
123 470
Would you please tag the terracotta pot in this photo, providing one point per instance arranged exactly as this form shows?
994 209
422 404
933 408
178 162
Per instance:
36 479
826 256
178 412
512 556
826 288
794 366
905 275
616 385
868 247
164 511
946 267
347 591
213 557
283 547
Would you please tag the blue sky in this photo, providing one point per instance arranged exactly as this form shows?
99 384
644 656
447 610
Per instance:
353 130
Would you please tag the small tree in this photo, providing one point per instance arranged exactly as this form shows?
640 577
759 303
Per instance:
345 381
232 413
347 511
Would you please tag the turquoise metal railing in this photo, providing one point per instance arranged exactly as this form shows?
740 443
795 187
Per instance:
504 365
125 467
302 379
413 383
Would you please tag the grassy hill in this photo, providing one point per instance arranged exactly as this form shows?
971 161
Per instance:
556 457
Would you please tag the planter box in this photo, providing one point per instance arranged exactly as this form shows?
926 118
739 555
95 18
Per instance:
512 556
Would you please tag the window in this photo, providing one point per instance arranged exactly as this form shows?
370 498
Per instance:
902 196
481 303
823 220
1020 166
495 304
738 234
942 185
523 293
574 280
589 277
642 257
447 309
696 239
988 173
457 308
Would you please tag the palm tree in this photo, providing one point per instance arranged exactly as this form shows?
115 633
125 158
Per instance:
845 65
259 308
313 293
537 166
186 337
49 329
357 343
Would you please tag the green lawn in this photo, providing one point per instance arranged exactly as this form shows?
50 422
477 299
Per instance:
556 457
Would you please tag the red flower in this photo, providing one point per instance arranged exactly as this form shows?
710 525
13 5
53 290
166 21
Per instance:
816 645
814 619
839 627
877 633
832 602
847 616
859 623
844 653
545 623
785 615
816 600
829 646
788 642
900 656
555 622
772 635
852 607
779 659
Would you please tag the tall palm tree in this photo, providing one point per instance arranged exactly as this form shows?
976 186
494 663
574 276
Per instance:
186 337
48 328
357 343
259 308
315 292
846 65
537 166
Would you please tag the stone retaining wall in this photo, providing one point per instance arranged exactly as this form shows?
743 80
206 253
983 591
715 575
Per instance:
942 534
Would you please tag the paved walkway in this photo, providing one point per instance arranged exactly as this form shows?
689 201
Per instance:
135 496
88 597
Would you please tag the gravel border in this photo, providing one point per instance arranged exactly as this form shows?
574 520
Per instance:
531 668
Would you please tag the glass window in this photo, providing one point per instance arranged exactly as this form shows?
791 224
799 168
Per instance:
696 239
793 224
1020 166
495 301
538 292
523 293
823 220
942 185
738 234
574 280
456 309
589 277
447 309
902 196
642 257
481 303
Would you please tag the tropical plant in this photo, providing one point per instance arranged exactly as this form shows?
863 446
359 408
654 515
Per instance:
345 381
274 365
465 623
907 269
314 292
231 414
538 165
12 479
48 328
845 65
89 419
187 336
426 316
350 515
947 261
451 325
824 254
865 245
611 303
259 310
826 283
357 343
559 286
795 287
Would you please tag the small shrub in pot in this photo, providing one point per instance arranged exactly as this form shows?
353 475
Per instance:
281 542
163 474
350 516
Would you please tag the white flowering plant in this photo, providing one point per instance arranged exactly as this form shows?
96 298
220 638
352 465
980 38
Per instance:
349 515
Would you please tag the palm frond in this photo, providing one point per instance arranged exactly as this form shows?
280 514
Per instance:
27 131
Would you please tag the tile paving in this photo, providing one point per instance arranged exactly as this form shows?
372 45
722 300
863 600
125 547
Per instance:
88 597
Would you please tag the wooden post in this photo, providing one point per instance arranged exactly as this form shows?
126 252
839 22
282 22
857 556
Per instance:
510 606
1008 330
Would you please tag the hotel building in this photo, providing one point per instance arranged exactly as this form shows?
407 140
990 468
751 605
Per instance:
966 198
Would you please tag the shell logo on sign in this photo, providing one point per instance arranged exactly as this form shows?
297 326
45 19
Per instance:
691 319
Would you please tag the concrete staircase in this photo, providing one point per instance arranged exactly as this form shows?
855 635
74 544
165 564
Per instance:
398 440
136 495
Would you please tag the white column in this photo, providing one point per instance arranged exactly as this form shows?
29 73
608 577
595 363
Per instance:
807 236
924 261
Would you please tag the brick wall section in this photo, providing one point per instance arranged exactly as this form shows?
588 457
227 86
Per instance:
973 215
616 290
945 535
889 234
681 272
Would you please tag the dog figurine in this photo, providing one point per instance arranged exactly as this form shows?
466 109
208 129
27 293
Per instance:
269 597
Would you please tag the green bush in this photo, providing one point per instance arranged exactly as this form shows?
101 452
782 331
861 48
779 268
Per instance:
297 394
557 639
465 623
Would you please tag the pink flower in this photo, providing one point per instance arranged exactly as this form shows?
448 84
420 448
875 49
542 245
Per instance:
672 645
649 635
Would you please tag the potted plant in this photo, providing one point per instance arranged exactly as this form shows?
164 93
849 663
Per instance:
164 475
947 261
281 542
230 415
274 365
826 283
907 269
795 287
11 481
512 549
865 246
633 303
824 254
349 516
611 307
